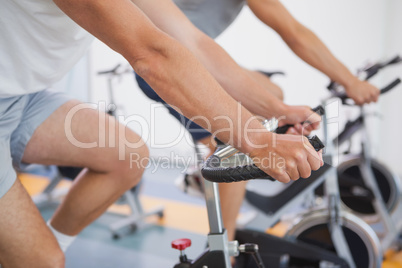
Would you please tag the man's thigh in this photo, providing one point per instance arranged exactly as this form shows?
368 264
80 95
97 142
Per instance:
23 231
38 107
78 135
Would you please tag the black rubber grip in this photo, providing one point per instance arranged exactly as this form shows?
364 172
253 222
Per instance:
270 74
212 170
110 71
390 86
371 70
283 129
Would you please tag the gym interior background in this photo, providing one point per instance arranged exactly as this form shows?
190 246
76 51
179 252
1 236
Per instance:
357 32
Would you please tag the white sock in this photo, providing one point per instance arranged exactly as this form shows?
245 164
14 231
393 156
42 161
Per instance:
63 239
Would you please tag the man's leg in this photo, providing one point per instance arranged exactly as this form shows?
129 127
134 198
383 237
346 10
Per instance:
106 178
25 240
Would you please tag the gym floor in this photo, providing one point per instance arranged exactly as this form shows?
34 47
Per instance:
149 247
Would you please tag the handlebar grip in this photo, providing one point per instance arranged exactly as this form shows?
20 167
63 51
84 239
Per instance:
373 70
370 71
283 129
270 74
390 86
332 85
110 71
213 171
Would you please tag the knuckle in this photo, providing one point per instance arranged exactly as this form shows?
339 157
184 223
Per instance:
280 173
306 174
291 166
315 165
299 157
284 179
295 177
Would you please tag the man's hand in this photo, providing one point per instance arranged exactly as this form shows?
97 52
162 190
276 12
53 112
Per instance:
288 157
296 115
362 92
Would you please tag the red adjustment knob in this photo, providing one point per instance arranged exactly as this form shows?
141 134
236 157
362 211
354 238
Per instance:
181 244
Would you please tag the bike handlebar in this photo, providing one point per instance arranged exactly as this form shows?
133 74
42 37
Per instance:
370 71
373 70
213 171
116 70
384 90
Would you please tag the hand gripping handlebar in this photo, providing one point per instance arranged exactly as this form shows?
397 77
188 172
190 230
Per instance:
214 168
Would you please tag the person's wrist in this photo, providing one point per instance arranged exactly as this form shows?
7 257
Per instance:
350 83
256 142
281 110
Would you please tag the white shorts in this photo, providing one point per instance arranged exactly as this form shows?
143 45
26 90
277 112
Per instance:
19 118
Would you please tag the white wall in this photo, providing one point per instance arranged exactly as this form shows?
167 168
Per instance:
390 142
355 31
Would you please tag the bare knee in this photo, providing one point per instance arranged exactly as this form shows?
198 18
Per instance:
130 169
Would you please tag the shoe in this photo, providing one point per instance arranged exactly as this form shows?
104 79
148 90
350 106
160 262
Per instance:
191 182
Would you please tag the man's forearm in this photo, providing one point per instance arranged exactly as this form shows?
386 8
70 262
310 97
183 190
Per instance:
168 67
314 52
303 42
233 78
236 80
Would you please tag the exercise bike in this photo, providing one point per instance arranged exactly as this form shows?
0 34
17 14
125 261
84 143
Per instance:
325 237
219 251
368 187
325 242
317 226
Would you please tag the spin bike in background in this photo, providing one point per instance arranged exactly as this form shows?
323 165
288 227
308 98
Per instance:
368 187
127 224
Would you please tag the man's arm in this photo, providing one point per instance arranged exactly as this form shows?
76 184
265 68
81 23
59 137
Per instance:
182 81
233 78
311 49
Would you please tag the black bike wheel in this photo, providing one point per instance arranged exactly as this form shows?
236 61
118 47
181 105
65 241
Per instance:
356 195
319 235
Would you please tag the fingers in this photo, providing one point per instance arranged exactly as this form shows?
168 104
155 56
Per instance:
367 93
293 131
305 129
297 129
303 167
372 96
282 176
375 95
292 169
320 156
312 117
314 158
